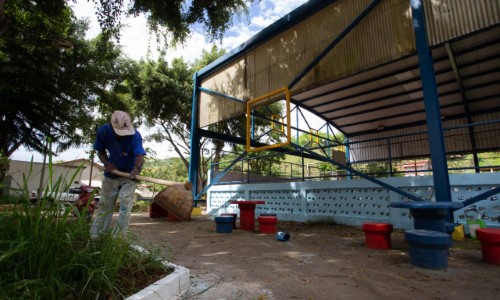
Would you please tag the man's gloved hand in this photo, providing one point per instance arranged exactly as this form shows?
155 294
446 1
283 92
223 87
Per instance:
110 167
134 173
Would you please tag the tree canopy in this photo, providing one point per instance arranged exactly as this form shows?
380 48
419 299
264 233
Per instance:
164 95
175 17
171 19
50 78
57 84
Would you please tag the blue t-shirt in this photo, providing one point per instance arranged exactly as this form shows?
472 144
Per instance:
121 152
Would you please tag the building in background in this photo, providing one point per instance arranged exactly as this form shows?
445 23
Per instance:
71 173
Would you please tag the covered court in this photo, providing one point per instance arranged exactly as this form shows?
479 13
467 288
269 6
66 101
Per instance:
401 81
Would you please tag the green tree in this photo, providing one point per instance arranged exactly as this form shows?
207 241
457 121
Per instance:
51 8
164 95
320 139
4 20
208 57
4 167
171 18
175 17
489 159
377 169
263 162
120 95
169 169
322 143
51 78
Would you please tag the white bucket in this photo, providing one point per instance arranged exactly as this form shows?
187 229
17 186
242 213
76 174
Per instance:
472 230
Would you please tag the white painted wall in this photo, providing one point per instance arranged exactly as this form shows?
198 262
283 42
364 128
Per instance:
69 172
353 202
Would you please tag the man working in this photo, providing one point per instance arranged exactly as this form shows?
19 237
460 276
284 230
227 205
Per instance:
119 147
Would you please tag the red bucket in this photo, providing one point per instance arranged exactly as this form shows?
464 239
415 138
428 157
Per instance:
267 224
490 244
377 235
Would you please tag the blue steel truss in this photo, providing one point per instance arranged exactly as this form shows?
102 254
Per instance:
428 79
431 101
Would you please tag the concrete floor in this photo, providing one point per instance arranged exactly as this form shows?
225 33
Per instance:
320 261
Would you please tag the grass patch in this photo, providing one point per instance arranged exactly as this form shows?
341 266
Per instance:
46 254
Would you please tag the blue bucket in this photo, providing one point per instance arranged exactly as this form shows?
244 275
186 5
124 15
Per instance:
224 224
428 249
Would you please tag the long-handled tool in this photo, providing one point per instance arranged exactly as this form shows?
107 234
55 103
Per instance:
187 185
177 198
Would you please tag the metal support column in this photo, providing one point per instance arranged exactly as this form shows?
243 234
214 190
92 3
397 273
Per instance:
194 160
221 174
329 147
297 122
432 108
303 173
347 157
390 156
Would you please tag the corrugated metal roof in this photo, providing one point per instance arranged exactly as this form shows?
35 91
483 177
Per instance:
450 19
369 83
390 96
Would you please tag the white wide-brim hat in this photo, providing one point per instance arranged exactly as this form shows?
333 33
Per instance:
122 124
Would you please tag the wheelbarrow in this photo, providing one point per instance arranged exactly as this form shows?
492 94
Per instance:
176 198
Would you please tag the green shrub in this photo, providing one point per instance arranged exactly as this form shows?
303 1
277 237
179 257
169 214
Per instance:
47 253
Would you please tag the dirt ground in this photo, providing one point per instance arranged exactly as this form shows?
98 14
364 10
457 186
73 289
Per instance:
320 261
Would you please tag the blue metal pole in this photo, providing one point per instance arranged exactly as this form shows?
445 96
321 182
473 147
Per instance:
330 151
348 157
252 129
221 174
390 156
202 89
493 191
355 172
432 108
297 119
194 160
303 173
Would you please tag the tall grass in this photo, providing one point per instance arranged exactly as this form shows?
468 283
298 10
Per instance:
46 253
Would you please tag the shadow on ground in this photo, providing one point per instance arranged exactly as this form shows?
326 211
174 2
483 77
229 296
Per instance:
320 261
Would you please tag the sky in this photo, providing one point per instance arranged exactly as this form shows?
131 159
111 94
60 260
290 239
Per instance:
134 37
135 43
